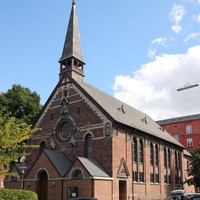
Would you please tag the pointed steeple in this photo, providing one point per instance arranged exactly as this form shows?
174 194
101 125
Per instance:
72 60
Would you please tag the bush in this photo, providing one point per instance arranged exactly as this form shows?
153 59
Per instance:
7 194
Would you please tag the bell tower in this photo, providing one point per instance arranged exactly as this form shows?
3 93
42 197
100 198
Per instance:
72 61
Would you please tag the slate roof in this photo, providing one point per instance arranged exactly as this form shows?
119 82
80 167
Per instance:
60 161
127 115
179 119
94 168
72 45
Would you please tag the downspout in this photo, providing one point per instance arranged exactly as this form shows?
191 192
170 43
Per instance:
62 189
92 182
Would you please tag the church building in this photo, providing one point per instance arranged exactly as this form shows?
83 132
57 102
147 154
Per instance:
94 145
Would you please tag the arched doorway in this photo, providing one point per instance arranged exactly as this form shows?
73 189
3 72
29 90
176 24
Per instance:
42 185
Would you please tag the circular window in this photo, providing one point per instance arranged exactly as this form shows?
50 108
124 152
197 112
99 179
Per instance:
65 130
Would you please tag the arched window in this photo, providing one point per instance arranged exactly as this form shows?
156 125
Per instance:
77 174
88 145
42 146
156 155
151 154
134 149
141 151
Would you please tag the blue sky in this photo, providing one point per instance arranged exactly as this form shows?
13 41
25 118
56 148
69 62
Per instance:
138 51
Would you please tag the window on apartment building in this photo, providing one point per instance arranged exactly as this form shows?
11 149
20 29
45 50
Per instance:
188 128
134 149
141 151
151 154
176 137
189 142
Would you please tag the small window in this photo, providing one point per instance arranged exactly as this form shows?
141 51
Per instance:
134 149
88 145
107 129
141 151
77 174
151 177
188 129
176 137
72 192
135 176
156 155
169 158
151 154
141 177
51 116
165 157
156 178
189 142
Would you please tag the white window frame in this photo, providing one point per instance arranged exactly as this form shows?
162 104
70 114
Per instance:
189 142
188 128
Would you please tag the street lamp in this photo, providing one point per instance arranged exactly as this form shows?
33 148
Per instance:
187 86
22 168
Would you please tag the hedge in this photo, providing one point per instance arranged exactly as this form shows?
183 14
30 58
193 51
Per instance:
8 194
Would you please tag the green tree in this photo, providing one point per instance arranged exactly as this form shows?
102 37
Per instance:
18 110
14 134
21 103
194 168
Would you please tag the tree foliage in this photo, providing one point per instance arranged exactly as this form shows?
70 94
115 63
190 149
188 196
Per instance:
21 103
194 168
14 134
18 110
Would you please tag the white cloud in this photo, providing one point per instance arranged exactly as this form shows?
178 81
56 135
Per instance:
153 88
152 50
160 41
176 28
176 15
196 17
192 36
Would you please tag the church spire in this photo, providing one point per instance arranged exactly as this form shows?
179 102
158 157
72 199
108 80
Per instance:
72 60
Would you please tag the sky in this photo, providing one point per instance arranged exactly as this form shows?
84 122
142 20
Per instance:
138 51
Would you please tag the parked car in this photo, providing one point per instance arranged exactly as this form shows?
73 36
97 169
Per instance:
181 195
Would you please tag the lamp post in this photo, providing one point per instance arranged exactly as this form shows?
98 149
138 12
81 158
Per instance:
22 168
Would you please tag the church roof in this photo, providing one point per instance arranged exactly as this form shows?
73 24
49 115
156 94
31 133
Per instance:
94 168
60 161
72 45
125 114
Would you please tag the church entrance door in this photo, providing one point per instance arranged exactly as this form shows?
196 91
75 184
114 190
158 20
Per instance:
122 190
43 184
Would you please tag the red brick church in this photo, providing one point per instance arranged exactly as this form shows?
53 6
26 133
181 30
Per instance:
93 145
